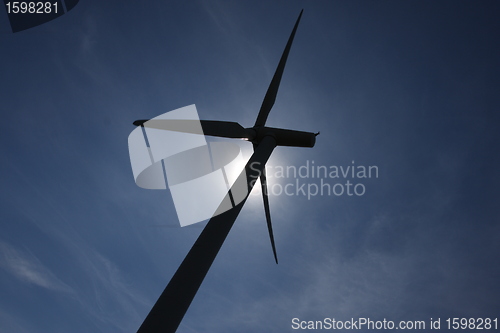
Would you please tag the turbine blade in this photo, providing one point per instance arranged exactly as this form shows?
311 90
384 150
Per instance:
169 309
272 91
225 129
265 196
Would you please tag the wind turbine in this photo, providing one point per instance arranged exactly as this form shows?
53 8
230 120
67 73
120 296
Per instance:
169 309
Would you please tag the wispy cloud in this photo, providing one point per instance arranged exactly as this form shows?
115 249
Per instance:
221 16
100 287
105 293
28 268
10 323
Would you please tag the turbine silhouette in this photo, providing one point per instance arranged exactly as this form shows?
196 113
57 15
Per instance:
169 309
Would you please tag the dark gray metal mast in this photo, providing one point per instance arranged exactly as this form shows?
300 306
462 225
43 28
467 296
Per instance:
167 313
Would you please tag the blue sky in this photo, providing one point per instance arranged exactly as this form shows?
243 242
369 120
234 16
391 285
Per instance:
410 87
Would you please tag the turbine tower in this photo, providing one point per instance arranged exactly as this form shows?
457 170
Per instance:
171 306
